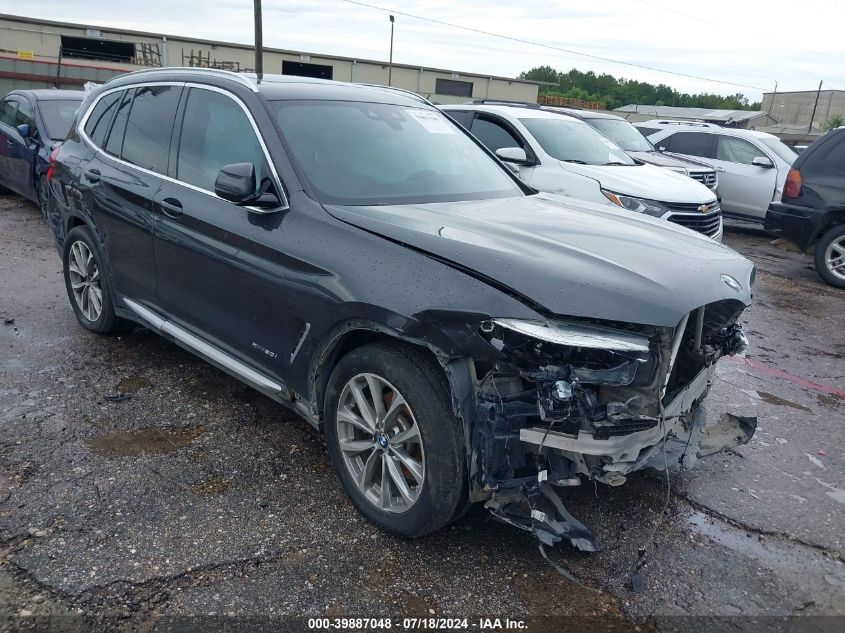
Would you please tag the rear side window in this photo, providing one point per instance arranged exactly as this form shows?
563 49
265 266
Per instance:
835 157
150 124
692 143
737 150
118 128
97 125
493 135
216 132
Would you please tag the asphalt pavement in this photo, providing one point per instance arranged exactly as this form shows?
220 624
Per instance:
138 484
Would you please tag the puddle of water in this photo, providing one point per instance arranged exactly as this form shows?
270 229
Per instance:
148 441
131 384
770 398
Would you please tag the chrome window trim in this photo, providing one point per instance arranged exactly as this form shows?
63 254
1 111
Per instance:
186 84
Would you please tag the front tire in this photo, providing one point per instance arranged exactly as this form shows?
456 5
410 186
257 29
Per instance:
394 440
88 284
830 256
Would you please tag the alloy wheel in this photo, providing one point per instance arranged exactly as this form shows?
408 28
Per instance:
834 258
380 443
85 280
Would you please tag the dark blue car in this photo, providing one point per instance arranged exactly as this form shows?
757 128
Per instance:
32 123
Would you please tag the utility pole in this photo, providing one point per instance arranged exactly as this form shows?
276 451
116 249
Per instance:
815 105
259 41
390 65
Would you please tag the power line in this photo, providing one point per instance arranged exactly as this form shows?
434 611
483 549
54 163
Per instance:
550 46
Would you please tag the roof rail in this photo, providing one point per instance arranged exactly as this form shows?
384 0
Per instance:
402 90
216 72
525 104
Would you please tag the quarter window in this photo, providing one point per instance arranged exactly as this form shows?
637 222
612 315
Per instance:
147 139
737 150
118 128
97 125
216 132
493 135
692 143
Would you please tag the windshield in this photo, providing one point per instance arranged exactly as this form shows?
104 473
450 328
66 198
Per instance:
623 134
786 153
574 141
371 153
58 116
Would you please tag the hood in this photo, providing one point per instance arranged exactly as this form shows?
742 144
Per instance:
572 258
661 159
645 181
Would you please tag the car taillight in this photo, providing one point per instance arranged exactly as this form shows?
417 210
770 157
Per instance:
792 188
52 166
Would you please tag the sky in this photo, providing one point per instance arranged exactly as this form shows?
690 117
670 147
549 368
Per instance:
749 44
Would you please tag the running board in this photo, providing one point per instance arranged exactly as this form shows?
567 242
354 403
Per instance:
206 351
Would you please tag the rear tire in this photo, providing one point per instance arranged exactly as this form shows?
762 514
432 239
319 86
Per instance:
88 283
406 473
830 256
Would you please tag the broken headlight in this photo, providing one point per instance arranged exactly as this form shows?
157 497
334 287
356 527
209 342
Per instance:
637 205
579 352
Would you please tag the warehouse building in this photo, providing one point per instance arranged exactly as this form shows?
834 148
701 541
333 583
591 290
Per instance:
41 54
796 108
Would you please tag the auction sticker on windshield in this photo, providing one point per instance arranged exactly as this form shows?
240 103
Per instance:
431 121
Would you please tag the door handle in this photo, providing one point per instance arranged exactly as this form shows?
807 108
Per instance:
10 143
171 207
93 175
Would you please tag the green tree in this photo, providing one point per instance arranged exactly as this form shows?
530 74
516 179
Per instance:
835 120
615 92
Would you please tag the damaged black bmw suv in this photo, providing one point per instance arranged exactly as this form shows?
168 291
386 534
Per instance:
354 254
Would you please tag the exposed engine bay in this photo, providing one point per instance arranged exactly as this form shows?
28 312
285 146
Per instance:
577 400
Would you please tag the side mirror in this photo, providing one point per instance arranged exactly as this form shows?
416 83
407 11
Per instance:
512 154
236 183
23 130
763 161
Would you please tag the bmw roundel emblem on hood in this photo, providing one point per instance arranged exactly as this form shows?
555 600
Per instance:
731 283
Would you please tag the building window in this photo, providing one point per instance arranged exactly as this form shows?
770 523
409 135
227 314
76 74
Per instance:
92 48
300 69
453 88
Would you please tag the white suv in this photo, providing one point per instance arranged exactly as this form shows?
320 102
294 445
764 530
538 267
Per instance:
562 154
752 165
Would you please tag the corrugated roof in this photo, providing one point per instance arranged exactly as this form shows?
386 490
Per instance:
704 114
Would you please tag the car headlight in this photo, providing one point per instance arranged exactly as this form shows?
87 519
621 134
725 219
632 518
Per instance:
637 205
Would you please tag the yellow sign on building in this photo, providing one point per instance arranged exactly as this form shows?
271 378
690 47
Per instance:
25 54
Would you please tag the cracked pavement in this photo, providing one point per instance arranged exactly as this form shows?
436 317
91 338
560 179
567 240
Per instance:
196 495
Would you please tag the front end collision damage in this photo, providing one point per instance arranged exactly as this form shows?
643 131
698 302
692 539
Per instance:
565 401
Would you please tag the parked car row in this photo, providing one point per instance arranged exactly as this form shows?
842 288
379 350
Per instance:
354 254
558 152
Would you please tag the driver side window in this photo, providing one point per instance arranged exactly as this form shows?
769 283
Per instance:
493 135
216 132
8 111
736 150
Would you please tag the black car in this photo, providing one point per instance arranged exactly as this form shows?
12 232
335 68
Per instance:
352 253
32 124
811 213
